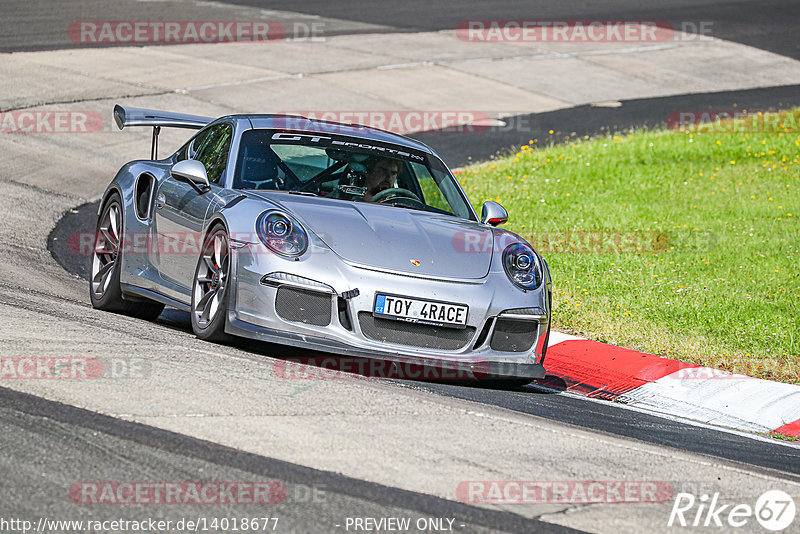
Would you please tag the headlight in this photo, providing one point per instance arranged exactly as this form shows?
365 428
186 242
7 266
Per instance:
522 266
281 233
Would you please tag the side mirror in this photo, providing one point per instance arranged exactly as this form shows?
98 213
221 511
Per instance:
493 213
192 172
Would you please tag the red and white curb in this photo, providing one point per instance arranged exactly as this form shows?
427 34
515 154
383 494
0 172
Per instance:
671 387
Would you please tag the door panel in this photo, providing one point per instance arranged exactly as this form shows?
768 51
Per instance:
179 224
181 210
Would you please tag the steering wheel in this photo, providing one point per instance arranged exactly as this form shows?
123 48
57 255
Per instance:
394 193
256 184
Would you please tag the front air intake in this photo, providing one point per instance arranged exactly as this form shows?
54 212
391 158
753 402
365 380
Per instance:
414 334
303 306
514 336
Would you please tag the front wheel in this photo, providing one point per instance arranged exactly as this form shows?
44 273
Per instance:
211 287
104 288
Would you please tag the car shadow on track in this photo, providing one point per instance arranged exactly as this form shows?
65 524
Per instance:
304 364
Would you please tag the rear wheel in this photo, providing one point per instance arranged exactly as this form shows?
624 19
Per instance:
104 288
210 287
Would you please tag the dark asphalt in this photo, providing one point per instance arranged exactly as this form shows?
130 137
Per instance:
769 25
609 418
461 148
56 446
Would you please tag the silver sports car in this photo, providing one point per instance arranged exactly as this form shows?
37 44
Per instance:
325 236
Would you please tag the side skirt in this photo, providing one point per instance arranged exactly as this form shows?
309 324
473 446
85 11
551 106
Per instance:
134 291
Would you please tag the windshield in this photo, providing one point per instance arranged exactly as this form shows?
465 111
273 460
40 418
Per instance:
345 168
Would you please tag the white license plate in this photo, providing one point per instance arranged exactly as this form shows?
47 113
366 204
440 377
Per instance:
420 311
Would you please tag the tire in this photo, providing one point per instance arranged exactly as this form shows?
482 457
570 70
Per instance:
104 289
210 288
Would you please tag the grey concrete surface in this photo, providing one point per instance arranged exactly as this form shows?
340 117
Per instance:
347 73
74 447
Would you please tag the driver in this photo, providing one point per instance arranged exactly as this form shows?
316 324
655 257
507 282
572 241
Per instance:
381 174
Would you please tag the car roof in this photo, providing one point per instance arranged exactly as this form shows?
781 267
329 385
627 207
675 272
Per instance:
304 124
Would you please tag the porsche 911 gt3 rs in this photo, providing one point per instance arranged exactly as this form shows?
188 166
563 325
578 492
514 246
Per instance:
333 237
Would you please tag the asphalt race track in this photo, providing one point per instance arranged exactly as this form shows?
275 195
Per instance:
106 444
574 410
769 25
341 449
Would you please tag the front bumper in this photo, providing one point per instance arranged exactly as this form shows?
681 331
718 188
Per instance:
252 311
460 367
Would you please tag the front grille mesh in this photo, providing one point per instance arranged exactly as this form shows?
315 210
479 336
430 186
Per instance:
514 336
302 306
413 334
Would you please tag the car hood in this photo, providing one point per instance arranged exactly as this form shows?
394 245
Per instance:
394 239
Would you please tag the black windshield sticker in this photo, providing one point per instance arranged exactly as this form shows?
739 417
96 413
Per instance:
325 141
302 137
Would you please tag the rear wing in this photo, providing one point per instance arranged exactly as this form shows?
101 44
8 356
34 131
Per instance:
126 116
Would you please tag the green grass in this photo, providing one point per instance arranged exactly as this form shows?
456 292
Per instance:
696 246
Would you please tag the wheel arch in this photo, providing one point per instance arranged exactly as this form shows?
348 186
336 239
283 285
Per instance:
104 199
216 219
